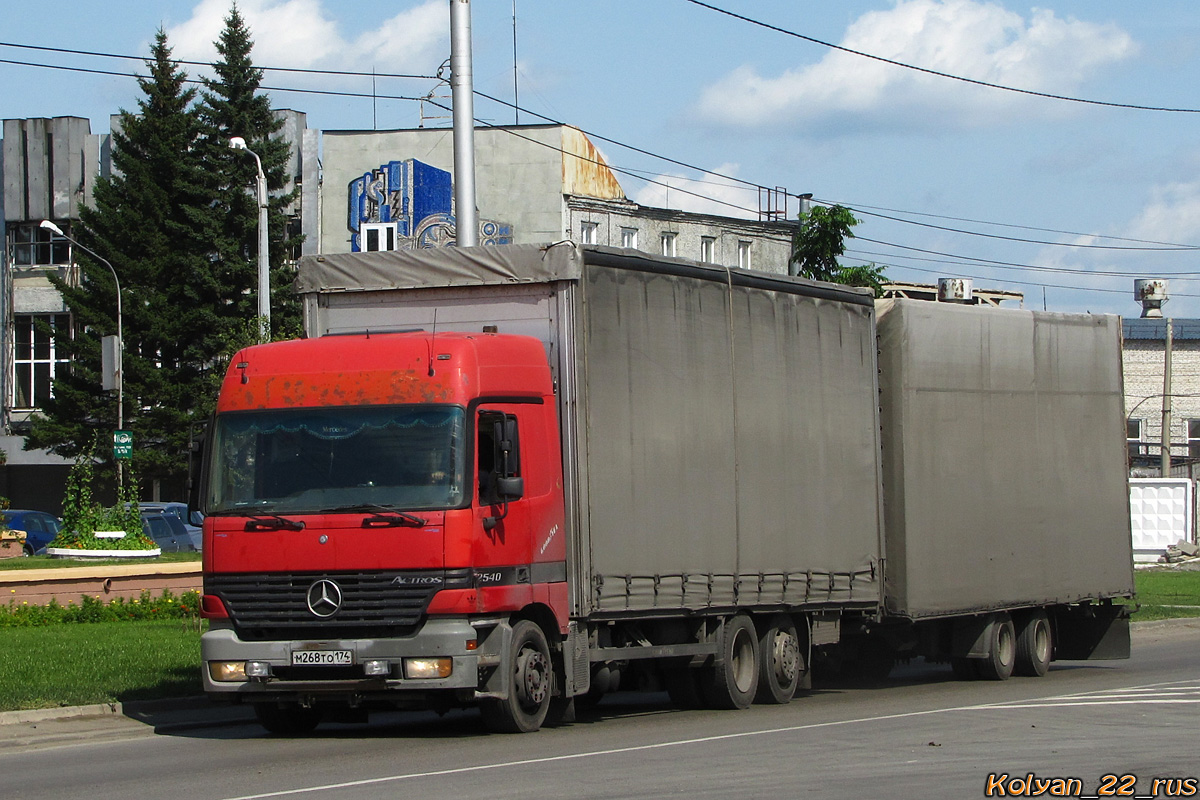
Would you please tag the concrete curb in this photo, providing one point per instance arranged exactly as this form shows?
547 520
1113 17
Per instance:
183 713
64 712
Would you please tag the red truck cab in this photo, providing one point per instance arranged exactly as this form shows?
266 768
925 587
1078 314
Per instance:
377 506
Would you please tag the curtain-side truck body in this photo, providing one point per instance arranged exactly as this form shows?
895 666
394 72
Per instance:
518 477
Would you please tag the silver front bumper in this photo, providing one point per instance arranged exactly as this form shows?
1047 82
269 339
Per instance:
436 638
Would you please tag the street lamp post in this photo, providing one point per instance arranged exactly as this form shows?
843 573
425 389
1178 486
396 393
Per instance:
50 226
264 276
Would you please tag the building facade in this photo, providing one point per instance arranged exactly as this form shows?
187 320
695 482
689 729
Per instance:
1144 366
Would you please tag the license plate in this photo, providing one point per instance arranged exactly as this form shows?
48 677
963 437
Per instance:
322 658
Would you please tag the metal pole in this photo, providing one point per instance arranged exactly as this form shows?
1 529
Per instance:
50 226
1166 406
462 88
264 260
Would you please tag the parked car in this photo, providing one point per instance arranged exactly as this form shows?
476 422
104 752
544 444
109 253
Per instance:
191 520
40 528
168 532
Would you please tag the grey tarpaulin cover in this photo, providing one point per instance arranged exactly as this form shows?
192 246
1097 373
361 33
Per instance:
720 425
442 266
1004 458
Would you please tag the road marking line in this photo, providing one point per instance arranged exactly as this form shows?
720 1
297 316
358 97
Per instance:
1080 699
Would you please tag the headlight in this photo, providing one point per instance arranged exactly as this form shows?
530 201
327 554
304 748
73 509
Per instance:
226 671
428 667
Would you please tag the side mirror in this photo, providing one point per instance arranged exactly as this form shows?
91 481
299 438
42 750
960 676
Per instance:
510 488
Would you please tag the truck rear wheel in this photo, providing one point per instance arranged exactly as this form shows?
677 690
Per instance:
780 662
1035 646
289 720
734 678
1001 652
524 710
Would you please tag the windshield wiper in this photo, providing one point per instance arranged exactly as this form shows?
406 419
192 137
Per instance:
383 516
273 522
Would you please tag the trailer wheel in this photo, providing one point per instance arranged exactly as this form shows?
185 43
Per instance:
734 678
780 662
1002 650
1035 646
289 720
524 710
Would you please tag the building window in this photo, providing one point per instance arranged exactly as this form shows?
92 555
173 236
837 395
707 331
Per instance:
376 236
588 232
36 361
31 246
1133 437
708 249
629 238
744 255
667 240
1193 438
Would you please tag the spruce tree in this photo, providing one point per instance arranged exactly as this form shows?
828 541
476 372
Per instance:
231 105
143 223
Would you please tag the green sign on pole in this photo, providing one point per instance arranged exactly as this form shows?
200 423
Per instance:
123 444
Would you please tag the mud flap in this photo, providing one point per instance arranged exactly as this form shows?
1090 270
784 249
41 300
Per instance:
1091 632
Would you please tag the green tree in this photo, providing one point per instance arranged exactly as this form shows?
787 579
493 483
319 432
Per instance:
144 222
231 105
820 240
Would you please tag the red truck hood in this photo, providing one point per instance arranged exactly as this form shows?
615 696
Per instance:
328 543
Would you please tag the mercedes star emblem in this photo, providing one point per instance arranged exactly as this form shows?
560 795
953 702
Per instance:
324 598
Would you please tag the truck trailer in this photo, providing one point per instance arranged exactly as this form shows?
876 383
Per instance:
521 477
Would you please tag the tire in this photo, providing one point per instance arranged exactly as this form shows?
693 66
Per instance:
26 551
733 681
780 662
531 687
1035 646
1002 650
289 720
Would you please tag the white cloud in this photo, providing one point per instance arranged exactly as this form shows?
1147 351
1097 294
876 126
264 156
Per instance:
1172 215
711 193
301 33
978 40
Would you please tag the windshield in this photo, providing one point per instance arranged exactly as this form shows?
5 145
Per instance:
314 459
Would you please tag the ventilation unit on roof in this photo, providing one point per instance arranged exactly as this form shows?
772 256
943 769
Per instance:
954 290
1151 293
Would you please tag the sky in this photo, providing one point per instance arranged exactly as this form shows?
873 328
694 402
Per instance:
1063 200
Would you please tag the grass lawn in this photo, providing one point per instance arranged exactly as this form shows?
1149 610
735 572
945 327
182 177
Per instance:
1166 593
81 664
46 562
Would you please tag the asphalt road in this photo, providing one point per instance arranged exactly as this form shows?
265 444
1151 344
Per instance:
921 734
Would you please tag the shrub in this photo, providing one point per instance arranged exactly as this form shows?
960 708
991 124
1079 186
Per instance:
93 609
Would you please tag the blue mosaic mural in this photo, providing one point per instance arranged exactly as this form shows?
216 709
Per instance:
404 205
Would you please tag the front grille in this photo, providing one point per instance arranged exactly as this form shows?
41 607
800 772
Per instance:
272 607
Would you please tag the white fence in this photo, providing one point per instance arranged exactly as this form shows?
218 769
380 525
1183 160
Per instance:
1160 511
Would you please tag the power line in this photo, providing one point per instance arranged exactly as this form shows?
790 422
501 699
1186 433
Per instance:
942 273
1016 265
928 71
1168 247
348 73
859 208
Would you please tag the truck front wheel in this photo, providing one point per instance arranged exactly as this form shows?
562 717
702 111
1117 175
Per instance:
530 687
1035 646
734 678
